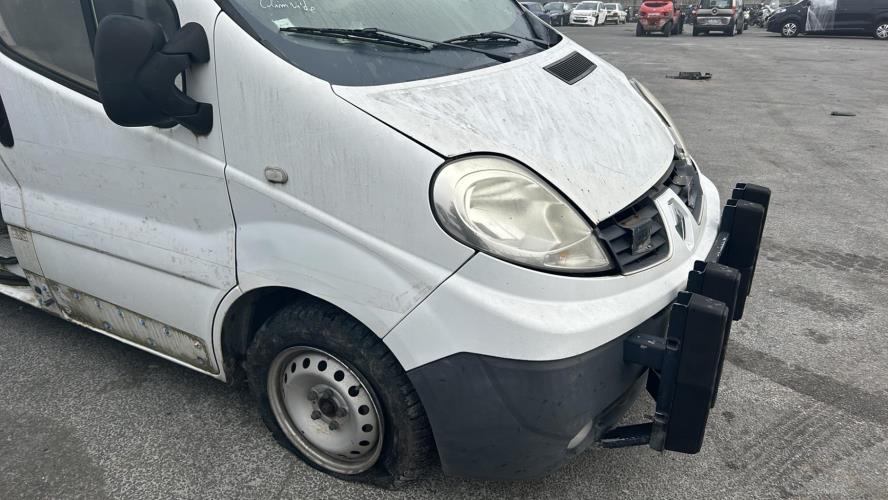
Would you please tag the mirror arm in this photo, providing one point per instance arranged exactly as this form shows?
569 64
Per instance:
157 78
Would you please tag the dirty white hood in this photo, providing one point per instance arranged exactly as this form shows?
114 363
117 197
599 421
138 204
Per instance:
597 141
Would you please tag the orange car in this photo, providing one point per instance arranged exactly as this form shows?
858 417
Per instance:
659 16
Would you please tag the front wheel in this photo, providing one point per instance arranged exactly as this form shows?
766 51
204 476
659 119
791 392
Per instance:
639 31
334 395
789 29
881 31
667 30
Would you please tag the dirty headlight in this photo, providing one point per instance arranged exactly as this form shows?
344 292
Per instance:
503 209
658 107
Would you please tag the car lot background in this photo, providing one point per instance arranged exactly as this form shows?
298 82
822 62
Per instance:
803 410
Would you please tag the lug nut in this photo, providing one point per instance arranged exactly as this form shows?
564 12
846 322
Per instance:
328 394
334 425
341 412
315 415
312 395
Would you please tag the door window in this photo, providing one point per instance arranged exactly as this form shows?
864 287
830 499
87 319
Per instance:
54 37
51 34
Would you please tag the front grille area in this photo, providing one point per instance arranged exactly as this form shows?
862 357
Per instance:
636 236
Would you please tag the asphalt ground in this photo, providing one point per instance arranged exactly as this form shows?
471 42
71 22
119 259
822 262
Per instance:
803 409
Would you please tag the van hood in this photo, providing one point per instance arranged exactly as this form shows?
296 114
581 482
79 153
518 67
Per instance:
598 141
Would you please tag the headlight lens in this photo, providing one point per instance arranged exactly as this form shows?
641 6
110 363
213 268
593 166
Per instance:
501 208
658 107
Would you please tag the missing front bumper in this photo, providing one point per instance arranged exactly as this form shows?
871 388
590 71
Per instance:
685 365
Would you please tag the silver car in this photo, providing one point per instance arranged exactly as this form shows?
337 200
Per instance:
725 16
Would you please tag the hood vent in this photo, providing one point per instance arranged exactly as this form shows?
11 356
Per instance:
572 68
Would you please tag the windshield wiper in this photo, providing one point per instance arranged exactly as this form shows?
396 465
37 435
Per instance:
365 35
497 37
376 35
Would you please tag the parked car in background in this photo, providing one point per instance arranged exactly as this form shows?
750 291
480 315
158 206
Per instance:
615 13
536 9
659 16
725 16
840 17
559 12
589 13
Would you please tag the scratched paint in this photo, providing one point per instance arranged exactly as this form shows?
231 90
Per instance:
114 320
597 140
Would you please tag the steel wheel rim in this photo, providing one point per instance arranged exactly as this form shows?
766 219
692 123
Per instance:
310 389
789 29
882 31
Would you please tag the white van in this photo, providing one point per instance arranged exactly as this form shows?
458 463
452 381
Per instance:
352 205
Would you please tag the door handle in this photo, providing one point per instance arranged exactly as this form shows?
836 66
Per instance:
5 129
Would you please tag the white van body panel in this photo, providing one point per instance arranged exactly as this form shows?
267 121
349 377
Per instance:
498 309
353 225
138 218
10 197
599 142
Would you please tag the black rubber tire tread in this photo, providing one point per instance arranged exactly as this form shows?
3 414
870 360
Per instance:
408 446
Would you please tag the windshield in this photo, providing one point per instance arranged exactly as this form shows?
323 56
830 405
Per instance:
554 6
610 6
352 62
587 6
534 7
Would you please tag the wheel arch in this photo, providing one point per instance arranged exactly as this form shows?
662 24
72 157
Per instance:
243 313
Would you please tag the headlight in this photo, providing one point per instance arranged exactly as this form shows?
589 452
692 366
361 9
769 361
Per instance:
658 107
503 209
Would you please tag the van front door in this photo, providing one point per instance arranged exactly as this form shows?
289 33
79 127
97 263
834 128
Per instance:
132 227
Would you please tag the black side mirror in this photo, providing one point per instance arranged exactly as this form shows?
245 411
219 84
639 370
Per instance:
136 70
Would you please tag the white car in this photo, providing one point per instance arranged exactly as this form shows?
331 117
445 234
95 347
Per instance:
409 260
589 13
615 13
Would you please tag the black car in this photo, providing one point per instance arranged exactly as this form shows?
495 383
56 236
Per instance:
536 9
559 12
839 17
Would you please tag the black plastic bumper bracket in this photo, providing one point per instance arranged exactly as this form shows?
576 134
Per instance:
721 283
684 376
685 365
743 220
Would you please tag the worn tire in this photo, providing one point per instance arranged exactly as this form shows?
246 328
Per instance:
407 443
